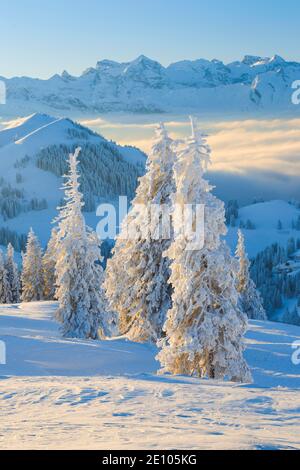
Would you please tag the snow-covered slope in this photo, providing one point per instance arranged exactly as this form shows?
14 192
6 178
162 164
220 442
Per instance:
265 217
61 393
33 152
144 85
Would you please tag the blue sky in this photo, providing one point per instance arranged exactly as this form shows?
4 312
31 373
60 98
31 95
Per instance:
42 37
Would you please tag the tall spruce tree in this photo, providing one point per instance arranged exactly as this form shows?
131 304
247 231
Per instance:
250 299
204 328
79 275
137 275
48 263
32 272
13 275
4 284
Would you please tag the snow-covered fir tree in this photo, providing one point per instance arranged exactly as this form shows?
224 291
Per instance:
204 328
12 275
79 275
250 299
4 284
49 262
137 275
32 272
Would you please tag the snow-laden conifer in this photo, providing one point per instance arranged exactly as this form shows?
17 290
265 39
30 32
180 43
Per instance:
32 272
12 275
137 275
250 299
4 284
49 262
79 275
204 328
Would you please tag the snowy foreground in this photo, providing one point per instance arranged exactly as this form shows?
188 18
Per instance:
57 393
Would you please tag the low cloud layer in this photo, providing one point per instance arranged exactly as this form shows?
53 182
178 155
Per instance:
268 146
238 146
251 158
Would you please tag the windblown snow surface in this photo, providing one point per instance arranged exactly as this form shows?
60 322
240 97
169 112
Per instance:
71 394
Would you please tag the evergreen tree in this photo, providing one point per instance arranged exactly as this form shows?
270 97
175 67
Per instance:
79 274
231 212
265 275
204 328
4 284
49 262
137 275
10 236
250 299
32 273
12 275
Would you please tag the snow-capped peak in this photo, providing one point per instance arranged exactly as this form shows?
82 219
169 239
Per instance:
65 75
253 59
142 63
278 59
19 128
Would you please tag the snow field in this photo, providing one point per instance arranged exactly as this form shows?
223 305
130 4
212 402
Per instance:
74 394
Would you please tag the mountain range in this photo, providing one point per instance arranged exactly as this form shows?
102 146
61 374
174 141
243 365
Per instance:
254 84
